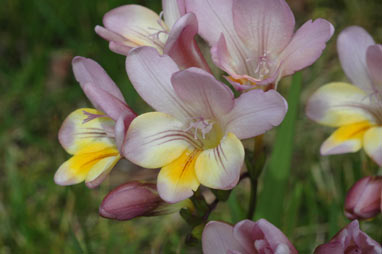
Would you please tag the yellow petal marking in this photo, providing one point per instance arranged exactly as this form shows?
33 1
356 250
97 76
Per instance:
181 172
351 131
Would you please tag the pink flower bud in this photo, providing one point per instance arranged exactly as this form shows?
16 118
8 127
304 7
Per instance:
135 199
350 240
363 200
246 237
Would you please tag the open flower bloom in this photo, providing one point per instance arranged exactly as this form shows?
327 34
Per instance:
93 136
132 26
136 199
363 200
195 135
350 240
246 237
254 40
355 109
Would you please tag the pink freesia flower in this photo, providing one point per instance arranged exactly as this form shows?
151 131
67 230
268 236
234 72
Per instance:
132 26
246 237
363 200
195 135
93 136
350 240
135 199
254 40
355 109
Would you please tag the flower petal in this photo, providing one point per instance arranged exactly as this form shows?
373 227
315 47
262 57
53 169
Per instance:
255 112
335 104
214 19
218 238
265 27
121 127
373 145
155 139
177 180
117 43
205 96
83 127
219 167
352 44
181 45
112 106
172 11
306 46
137 24
150 75
374 65
345 139
90 162
87 71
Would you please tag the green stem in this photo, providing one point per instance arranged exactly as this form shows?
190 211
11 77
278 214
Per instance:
255 163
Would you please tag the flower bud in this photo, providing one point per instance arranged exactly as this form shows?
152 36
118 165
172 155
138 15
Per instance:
350 240
245 237
363 200
135 199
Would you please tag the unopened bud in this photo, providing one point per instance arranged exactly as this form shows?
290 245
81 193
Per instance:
135 199
363 200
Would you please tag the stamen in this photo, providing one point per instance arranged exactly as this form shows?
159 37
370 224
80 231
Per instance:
202 125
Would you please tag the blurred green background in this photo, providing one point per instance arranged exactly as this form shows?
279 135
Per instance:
39 39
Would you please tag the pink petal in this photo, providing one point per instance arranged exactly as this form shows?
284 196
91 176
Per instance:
182 47
255 112
172 11
352 44
205 96
306 46
243 232
150 74
273 235
106 102
218 238
121 127
137 24
214 19
117 43
88 71
265 27
374 65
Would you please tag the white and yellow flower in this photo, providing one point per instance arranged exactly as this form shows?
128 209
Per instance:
356 109
93 136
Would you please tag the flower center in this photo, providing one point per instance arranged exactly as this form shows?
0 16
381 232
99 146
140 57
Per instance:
262 66
206 131
374 108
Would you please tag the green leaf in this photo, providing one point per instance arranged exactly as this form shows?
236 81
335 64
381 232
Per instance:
271 200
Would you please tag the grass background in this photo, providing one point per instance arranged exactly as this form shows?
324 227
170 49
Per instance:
38 40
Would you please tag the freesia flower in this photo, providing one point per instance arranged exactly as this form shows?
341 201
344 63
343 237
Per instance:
355 109
254 40
136 199
93 136
246 237
132 26
350 240
195 135
363 200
